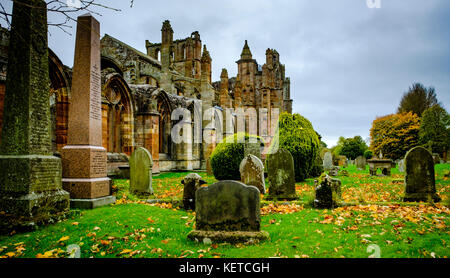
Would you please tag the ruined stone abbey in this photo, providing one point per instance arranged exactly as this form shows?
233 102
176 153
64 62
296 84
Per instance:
141 90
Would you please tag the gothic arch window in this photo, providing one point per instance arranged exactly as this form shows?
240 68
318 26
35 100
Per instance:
118 132
165 125
184 52
59 103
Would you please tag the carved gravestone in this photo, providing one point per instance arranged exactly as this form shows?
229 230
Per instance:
192 183
361 162
328 192
328 161
280 169
227 211
30 176
84 159
141 164
252 172
420 177
401 166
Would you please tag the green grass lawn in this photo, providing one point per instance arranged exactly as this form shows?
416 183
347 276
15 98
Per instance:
132 228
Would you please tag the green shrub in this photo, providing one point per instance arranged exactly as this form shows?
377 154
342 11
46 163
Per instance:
297 135
228 155
368 154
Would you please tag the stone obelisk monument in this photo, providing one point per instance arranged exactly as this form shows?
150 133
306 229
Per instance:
84 159
30 176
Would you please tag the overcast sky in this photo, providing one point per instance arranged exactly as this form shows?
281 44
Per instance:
348 63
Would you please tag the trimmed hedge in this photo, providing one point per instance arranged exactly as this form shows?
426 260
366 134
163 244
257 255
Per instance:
227 157
297 135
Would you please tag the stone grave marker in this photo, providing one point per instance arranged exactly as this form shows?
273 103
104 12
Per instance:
361 162
281 175
141 165
228 211
252 172
328 192
192 183
84 159
420 177
328 161
401 166
30 176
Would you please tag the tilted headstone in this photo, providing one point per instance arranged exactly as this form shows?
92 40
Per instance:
361 162
227 211
328 193
192 183
252 172
281 175
30 176
420 177
328 161
141 165
401 166
84 158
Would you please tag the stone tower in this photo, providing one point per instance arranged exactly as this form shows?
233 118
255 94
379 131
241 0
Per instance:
247 68
166 45
224 97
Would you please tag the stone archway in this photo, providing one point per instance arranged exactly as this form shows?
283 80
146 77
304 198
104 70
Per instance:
117 110
59 101
165 124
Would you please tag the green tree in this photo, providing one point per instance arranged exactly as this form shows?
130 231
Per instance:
434 130
395 134
297 135
353 147
417 99
336 150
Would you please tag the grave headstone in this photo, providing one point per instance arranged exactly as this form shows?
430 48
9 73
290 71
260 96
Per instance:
141 165
401 166
328 161
420 177
252 172
227 211
84 159
361 162
192 183
30 176
281 176
328 192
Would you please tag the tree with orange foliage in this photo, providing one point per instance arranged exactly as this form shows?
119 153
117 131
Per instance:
395 134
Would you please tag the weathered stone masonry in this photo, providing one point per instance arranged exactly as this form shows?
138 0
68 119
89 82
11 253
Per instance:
141 90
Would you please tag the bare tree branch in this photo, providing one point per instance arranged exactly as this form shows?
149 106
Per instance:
67 9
